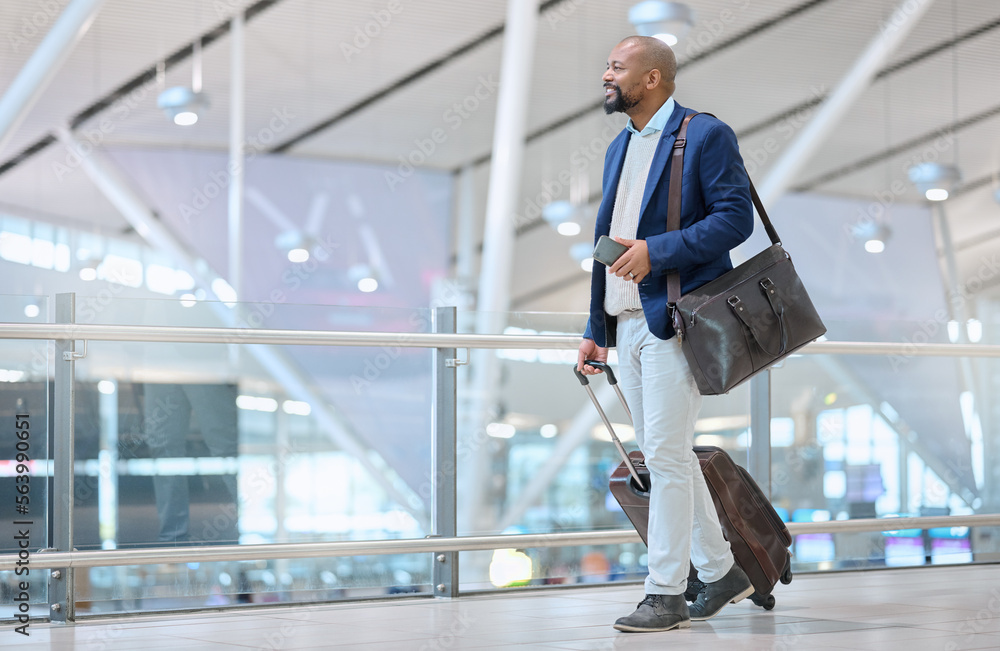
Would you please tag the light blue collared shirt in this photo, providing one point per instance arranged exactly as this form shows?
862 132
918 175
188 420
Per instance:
657 122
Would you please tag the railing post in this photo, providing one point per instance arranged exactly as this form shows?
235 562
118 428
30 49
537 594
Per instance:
62 602
759 450
443 458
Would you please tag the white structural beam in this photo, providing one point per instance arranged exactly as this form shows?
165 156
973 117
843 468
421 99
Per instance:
493 299
116 190
237 105
890 36
506 163
43 65
237 102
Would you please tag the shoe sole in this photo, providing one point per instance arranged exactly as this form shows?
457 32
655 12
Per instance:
637 629
738 598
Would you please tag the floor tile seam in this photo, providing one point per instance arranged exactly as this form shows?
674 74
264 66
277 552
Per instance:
898 624
928 627
909 607
943 634
852 630
237 645
342 630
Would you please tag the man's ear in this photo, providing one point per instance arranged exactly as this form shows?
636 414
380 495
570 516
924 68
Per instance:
653 79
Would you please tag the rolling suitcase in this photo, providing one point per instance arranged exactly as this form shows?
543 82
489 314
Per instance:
756 534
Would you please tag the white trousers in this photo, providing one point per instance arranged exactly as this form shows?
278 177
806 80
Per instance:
664 401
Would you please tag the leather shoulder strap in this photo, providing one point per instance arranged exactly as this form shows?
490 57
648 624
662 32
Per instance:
674 204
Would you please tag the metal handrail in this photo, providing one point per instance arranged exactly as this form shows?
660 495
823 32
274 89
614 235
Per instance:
217 553
198 335
183 334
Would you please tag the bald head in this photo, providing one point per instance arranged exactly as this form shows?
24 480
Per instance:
639 78
653 54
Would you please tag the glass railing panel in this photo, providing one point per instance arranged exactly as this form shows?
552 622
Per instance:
25 462
211 444
881 436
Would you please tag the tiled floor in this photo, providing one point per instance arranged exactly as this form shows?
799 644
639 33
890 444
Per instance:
936 608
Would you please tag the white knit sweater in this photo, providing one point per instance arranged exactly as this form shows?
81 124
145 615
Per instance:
622 294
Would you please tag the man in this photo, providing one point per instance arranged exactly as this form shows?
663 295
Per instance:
628 310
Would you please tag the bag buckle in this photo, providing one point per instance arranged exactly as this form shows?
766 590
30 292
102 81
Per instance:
767 285
735 303
679 143
677 321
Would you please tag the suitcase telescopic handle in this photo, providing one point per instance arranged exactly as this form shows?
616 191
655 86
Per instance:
601 365
607 422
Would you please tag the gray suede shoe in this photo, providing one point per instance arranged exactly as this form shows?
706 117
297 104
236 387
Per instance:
732 588
657 612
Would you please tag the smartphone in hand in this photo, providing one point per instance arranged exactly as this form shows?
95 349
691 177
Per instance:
607 250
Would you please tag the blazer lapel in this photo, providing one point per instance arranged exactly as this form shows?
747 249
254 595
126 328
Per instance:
662 156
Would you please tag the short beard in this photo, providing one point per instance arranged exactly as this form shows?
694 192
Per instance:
622 103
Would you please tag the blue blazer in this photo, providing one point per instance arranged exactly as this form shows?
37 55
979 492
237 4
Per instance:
716 216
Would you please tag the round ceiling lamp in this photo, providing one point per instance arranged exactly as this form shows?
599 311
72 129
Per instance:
562 216
182 105
935 180
875 235
667 21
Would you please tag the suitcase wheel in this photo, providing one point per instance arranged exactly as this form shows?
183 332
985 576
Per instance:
764 601
786 576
